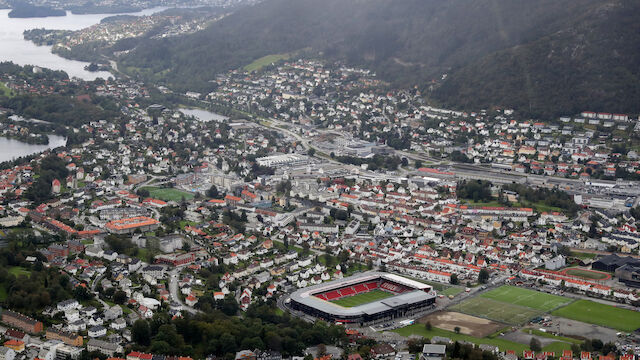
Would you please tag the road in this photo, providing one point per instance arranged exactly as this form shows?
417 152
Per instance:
173 290
472 171
95 282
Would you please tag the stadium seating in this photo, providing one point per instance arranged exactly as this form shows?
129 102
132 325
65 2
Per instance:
371 285
395 288
347 291
332 295
360 288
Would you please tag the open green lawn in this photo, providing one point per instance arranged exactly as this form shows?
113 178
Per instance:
551 336
496 310
168 194
3 292
600 314
451 291
19 270
355 300
587 274
583 255
264 61
494 203
5 91
525 297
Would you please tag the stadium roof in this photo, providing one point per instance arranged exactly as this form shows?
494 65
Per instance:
305 295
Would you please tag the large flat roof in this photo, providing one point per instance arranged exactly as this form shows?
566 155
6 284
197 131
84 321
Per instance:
305 295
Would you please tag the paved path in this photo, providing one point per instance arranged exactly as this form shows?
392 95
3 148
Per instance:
173 289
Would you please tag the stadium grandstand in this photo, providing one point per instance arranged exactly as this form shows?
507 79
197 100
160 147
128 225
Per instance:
364 299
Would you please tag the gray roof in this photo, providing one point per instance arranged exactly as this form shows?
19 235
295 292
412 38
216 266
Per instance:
305 295
434 349
104 344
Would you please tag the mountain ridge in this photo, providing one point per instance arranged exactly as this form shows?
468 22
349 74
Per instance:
407 43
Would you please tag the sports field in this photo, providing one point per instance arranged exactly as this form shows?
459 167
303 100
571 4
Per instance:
496 310
264 61
525 297
168 194
587 274
356 300
600 314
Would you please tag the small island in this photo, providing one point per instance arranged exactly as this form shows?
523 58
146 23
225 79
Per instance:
93 67
23 10
103 9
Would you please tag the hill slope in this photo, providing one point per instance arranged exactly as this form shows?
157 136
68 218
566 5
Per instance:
592 63
408 42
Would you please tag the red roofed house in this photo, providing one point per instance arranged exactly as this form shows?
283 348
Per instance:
55 186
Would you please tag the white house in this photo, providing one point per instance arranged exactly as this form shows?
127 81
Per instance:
67 305
97 331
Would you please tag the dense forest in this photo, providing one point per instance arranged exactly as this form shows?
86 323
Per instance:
22 9
480 191
222 335
547 48
60 109
590 64
26 286
50 168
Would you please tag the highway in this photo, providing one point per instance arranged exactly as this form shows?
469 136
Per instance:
469 171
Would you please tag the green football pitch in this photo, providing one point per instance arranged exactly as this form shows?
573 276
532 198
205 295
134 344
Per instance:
356 300
601 314
496 310
525 297
510 304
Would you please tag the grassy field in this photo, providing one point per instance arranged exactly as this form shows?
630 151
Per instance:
525 297
5 91
356 300
168 194
496 310
600 314
583 255
502 344
18 270
451 291
264 61
551 336
587 274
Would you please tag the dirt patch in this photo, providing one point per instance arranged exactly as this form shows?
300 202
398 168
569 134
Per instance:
469 325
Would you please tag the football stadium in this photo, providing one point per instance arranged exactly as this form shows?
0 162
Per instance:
364 299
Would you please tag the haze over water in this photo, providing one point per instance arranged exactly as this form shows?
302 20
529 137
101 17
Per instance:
23 52
13 47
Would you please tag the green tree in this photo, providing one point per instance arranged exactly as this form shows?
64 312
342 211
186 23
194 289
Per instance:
141 333
483 276
454 279
119 297
213 192
535 344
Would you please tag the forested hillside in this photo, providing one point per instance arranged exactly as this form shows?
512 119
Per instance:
415 42
592 63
